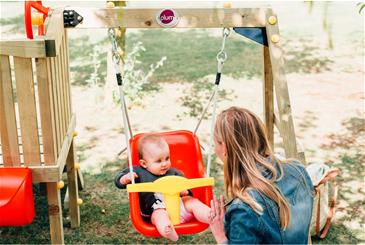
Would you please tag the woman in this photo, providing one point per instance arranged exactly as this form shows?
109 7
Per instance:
272 199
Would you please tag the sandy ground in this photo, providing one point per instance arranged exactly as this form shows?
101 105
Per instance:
320 103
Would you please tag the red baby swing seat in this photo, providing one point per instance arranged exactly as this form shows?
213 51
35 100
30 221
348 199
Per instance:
185 155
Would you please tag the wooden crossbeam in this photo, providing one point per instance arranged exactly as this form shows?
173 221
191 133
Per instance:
42 174
189 17
23 48
49 46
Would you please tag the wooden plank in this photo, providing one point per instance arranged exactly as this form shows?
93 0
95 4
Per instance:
268 97
62 90
52 106
73 188
281 90
27 110
59 98
61 161
42 174
189 17
277 124
45 105
55 213
54 32
301 153
55 104
67 76
23 48
8 129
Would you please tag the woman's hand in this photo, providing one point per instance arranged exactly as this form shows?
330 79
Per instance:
217 211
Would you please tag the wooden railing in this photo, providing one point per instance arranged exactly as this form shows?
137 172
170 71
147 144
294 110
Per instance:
36 122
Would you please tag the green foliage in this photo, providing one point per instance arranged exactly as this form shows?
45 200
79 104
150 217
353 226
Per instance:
137 83
95 62
87 61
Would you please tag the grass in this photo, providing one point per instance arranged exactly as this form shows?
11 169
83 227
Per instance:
190 57
104 217
105 214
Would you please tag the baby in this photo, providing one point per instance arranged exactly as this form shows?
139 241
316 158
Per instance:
154 155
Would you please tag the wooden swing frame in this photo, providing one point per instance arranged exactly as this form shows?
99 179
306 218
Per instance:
49 53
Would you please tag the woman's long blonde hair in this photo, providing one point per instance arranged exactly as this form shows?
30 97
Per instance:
248 155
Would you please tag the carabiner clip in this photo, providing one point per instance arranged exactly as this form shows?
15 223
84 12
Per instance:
226 31
221 56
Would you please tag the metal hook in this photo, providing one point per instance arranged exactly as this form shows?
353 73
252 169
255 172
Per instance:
221 56
226 31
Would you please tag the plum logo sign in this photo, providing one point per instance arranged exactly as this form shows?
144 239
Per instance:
167 18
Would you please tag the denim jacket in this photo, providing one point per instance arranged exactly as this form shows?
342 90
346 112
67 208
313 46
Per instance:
243 225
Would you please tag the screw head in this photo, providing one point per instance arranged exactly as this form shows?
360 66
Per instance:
79 201
60 184
272 20
275 38
227 5
110 5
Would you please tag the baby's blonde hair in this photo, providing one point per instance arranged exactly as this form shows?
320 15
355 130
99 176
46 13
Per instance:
150 139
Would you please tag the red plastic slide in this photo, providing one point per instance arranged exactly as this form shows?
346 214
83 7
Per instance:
16 197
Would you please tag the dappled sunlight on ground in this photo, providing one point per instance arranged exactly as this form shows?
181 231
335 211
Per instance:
326 88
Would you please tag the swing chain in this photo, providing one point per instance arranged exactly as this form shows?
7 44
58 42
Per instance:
222 55
115 56
115 53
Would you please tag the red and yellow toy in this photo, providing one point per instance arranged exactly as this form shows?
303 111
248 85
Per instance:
36 18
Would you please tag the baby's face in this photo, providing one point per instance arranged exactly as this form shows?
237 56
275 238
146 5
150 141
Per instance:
156 158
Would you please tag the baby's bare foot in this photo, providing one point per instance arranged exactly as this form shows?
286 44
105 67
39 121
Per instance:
170 233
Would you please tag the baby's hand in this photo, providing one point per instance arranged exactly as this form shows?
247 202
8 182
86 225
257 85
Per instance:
126 179
184 193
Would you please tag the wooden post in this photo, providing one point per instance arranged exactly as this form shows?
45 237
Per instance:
268 98
73 188
55 213
281 87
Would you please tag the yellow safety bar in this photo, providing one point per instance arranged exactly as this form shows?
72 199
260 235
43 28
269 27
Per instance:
170 187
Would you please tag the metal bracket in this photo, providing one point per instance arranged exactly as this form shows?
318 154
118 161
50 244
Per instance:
71 18
257 34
